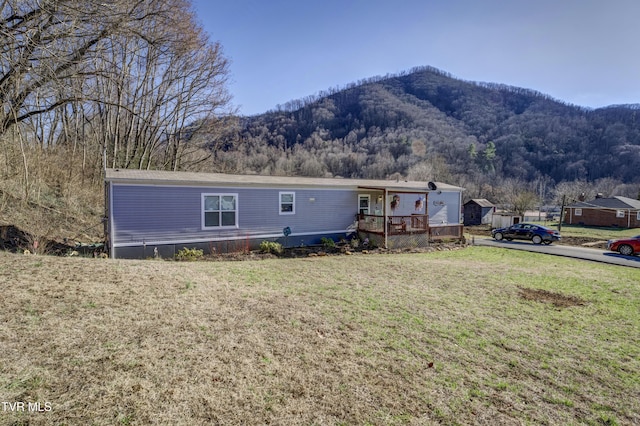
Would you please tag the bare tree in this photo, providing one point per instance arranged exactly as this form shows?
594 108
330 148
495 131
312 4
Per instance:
88 83
167 100
523 201
139 79
517 195
573 191
44 44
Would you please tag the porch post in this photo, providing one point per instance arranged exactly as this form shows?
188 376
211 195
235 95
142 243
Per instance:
386 218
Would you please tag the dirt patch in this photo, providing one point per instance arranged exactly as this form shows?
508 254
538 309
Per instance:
584 242
557 299
15 240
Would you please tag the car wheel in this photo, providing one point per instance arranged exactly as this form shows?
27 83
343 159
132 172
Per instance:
497 236
547 242
625 249
537 239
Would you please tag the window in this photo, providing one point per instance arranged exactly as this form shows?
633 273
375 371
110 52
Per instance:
577 212
638 215
619 213
287 203
219 210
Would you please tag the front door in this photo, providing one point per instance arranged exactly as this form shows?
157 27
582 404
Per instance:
364 201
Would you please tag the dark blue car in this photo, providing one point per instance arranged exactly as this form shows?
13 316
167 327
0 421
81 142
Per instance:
527 231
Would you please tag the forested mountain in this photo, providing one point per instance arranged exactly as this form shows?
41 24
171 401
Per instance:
426 124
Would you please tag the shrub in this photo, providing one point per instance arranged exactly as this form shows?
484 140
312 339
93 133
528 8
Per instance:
355 243
327 243
189 254
271 247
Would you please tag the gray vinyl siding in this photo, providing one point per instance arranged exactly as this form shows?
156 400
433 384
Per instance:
444 208
147 213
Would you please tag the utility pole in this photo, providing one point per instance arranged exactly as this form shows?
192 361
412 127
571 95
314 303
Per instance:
564 197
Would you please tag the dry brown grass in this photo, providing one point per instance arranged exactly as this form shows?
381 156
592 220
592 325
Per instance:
438 338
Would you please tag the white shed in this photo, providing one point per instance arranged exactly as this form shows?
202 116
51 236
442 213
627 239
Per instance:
502 220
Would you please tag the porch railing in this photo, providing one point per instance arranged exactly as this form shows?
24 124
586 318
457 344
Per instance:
394 224
397 225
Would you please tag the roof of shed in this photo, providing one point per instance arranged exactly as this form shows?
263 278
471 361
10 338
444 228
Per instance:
161 177
608 203
482 202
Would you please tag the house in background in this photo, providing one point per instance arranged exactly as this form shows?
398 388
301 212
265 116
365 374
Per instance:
620 212
160 212
478 211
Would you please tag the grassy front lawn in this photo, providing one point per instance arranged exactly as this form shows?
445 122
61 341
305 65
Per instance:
473 336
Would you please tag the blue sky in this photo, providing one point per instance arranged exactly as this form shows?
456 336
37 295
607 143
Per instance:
583 52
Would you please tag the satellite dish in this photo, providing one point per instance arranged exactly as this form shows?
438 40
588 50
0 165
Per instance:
432 186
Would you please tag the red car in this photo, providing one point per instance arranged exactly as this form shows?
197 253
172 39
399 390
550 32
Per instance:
626 246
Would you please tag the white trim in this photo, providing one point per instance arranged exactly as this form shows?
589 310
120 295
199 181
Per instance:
234 238
293 203
620 214
202 211
577 211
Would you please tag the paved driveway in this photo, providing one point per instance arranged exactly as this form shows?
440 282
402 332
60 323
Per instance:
595 255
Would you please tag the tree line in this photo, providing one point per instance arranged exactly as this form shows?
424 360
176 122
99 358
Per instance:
117 83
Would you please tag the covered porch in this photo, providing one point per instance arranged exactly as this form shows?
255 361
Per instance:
399 218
